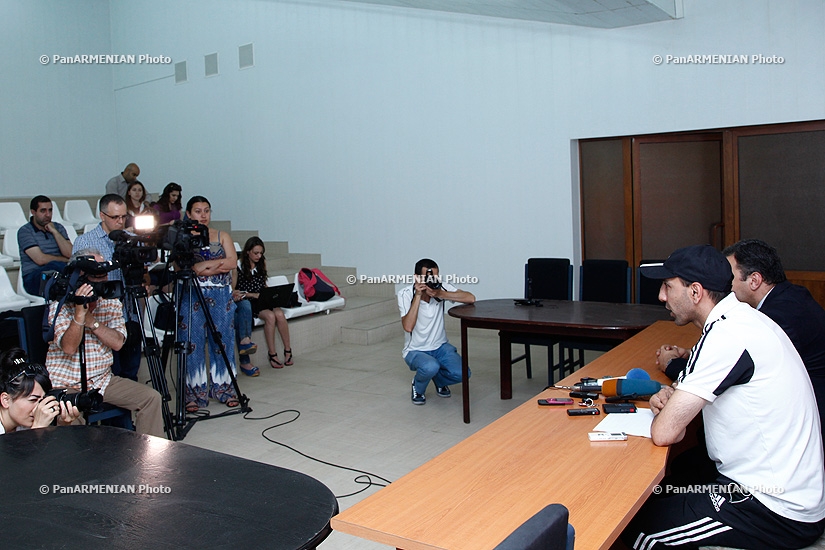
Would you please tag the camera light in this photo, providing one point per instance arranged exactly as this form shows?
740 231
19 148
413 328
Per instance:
144 222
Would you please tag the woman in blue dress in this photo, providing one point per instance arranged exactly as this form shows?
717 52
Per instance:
213 268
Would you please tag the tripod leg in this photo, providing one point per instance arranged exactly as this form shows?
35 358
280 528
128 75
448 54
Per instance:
221 295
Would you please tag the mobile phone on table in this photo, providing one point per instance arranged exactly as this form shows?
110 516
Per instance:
555 401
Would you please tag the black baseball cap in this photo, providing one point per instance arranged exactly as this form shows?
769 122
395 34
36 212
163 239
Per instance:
701 263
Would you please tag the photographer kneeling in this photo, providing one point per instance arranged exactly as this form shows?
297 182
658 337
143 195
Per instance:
23 399
99 324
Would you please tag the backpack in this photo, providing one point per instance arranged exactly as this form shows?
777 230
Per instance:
317 286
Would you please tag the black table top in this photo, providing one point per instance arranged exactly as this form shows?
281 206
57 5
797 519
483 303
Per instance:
564 313
147 492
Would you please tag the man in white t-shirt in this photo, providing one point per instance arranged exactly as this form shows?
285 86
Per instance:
760 416
426 349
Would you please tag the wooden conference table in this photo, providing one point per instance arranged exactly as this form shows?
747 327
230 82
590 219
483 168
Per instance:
594 322
148 492
476 493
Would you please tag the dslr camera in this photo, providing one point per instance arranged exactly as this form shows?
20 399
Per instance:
89 401
432 281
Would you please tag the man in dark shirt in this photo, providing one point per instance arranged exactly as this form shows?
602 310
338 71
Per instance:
44 245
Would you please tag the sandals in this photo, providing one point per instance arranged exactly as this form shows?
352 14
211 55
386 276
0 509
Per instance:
273 361
247 349
254 371
192 407
288 357
232 402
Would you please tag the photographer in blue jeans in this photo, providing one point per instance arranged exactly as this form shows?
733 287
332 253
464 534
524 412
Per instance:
426 349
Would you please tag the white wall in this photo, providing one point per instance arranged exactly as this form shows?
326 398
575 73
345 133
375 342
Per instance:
380 135
57 132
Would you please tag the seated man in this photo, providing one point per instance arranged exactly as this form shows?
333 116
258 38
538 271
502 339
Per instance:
119 184
759 280
760 417
44 245
426 349
100 325
23 400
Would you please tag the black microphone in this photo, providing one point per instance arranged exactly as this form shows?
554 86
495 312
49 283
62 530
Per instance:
119 235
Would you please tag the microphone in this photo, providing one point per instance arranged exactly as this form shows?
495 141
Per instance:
629 388
118 235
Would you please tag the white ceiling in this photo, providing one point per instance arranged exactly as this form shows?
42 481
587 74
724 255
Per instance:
605 14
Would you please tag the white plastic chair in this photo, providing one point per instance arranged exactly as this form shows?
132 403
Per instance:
10 246
89 226
56 216
79 213
21 290
11 215
9 299
70 232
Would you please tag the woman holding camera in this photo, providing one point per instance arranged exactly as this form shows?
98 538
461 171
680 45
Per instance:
251 279
213 267
23 399
168 206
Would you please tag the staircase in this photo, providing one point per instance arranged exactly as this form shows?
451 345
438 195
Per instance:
370 316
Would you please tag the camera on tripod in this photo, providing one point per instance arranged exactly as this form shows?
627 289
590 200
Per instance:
183 239
89 401
75 274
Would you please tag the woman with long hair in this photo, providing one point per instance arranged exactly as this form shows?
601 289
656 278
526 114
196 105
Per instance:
251 279
136 203
213 267
168 207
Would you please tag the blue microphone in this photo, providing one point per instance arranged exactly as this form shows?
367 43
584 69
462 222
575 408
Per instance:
629 388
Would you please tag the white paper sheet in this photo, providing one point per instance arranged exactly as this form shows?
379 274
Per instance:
637 423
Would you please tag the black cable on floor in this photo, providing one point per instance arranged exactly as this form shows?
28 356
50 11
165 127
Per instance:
366 478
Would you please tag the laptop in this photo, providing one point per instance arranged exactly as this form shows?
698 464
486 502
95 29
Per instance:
275 296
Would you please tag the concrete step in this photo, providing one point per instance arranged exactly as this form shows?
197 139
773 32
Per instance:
372 331
319 330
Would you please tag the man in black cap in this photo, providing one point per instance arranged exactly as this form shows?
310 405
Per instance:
760 416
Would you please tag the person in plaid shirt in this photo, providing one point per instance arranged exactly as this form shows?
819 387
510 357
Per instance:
101 325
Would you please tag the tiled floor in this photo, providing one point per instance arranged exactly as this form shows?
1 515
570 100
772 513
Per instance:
355 410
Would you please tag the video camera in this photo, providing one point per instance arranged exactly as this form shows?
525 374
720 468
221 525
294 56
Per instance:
75 274
88 401
183 239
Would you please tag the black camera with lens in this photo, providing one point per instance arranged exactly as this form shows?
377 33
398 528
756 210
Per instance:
89 401
75 274
432 281
183 239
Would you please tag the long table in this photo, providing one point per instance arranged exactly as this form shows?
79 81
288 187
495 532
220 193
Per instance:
476 493
104 487
594 322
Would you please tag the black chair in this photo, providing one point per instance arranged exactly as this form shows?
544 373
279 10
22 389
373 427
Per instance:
599 281
544 279
546 530
647 290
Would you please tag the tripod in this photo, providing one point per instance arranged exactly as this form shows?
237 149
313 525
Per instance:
135 295
186 283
